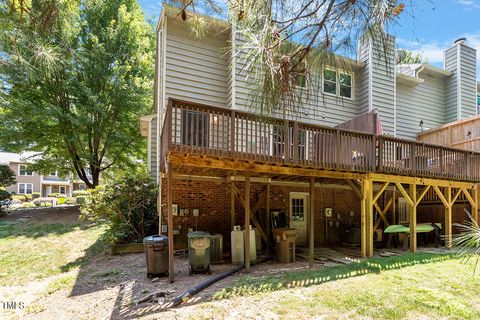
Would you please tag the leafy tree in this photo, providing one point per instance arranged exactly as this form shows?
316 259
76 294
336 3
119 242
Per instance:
75 76
7 176
406 56
285 40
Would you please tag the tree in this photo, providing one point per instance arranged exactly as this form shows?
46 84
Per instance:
76 75
406 56
7 176
285 40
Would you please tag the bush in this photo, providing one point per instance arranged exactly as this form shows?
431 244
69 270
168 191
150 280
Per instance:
7 176
28 205
44 202
71 200
80 200
78 193
5 201
129 205
20 198
61 200
36 195
53 195
28 197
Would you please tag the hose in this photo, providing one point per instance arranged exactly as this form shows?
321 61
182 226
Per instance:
185 296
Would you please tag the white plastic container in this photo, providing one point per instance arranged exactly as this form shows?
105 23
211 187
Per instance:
238 255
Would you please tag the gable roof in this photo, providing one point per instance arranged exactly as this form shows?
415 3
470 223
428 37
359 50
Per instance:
24 157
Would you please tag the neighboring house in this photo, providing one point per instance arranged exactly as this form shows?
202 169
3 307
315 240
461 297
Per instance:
214 157
29 181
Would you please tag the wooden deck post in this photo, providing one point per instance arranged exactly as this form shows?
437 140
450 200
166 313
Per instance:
268 216
476 204
413 218
363 218
448 219
369 204
246 237
232 206
311 223
171 243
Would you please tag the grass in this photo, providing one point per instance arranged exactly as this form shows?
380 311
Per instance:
35 251
61 283
409 286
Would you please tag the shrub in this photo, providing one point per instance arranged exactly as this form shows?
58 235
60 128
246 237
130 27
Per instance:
28 205
35 195
61 200
71 200
5 201
129 205
53 195
77 193
44 202
28 197
80 200
7 176
20 198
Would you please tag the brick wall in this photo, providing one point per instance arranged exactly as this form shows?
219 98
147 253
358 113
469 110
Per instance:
213 201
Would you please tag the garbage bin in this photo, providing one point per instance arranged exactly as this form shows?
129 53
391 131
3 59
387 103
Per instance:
285 244
198 252
156 255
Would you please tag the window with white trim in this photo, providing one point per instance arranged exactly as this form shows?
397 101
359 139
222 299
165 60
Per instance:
337 82
23 170
25 188
62 190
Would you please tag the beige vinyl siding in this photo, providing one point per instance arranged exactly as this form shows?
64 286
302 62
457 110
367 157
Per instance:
363 79
153 148
468 82
315 107
378 82
425 101
451 87
196 68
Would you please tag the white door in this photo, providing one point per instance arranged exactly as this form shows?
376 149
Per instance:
49 190
298 215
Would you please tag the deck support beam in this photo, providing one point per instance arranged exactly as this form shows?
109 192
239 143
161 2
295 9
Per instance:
171 241
413 218
370 217
366 227
475 207
232 205
448 218
246 236
268 215
311 223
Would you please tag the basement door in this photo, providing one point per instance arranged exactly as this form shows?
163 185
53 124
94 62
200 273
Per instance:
298 215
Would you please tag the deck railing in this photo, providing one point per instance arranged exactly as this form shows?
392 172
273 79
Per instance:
198 129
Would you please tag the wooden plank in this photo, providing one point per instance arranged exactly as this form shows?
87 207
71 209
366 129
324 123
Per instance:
456 196
405 194
171 244
382 214
381 177
445 202
311 222
413 218
246 244
232 206
369 205
423 193
448 219
379 193
268 215
224 164
475 207
468 196
363 218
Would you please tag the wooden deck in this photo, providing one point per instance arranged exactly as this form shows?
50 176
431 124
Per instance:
225 134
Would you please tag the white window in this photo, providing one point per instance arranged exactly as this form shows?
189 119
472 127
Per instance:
23 171
54 173
25 188
62 190
338 82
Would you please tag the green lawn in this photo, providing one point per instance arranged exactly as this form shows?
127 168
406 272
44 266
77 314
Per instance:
31 251
409 286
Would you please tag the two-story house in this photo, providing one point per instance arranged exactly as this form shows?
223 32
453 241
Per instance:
29 181
341 166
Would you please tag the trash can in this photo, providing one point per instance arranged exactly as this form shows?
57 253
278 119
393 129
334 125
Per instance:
156 255
285 244
198 252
